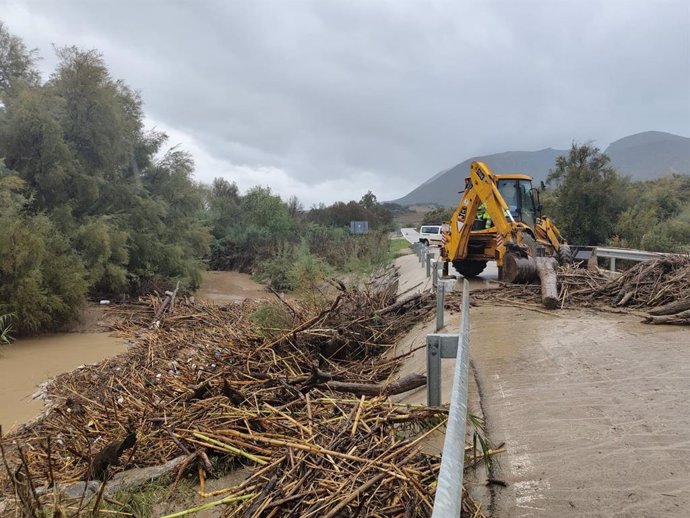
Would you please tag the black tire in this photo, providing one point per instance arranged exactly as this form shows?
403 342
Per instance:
468 268
565 254
530 243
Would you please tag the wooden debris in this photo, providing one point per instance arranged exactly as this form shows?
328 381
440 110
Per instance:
660 286
219 382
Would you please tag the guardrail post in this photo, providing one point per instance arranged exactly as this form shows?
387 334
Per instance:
440 299
429 257
434 274
612 264
433 370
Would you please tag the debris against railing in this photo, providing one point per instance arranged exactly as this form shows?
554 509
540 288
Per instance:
271 387
658 290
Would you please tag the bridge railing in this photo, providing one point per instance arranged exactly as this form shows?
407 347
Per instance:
448 500
625 254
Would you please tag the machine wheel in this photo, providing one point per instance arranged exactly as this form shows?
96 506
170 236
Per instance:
530 243
469 269
564 254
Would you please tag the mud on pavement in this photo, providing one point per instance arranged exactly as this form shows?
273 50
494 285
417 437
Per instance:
593 409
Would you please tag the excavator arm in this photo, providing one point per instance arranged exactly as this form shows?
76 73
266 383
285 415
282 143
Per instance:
522 243
481 187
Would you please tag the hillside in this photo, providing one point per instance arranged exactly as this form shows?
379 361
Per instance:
651 154
444 187
646 155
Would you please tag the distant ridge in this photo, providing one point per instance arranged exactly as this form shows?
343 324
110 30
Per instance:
646 155
651 154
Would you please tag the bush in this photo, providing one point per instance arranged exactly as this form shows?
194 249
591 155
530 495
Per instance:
276 271
44 280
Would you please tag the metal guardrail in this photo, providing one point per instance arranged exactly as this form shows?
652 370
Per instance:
625 254
448 500
427 259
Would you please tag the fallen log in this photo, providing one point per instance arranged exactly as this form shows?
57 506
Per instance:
546 269
682 318
405 384
671 308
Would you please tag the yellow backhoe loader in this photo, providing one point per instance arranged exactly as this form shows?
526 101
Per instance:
499 218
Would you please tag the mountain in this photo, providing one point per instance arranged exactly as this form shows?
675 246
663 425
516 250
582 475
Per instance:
443 187
641 156
651 154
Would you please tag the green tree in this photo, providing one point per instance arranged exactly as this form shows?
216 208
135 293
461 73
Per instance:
587 197
17 64
437 216
657 215
42 280
369 200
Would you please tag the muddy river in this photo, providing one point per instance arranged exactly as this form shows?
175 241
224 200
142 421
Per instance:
224 287
26 363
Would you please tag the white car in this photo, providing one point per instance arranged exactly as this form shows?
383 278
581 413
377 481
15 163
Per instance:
430 234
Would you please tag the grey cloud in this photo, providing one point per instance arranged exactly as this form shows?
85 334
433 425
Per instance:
325 89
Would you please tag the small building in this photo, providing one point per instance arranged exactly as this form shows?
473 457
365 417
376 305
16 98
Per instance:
359 227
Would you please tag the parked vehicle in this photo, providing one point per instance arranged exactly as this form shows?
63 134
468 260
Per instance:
430 234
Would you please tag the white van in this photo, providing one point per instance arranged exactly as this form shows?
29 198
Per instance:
430 234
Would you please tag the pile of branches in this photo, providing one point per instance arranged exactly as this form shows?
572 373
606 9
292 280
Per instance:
660 287
304 402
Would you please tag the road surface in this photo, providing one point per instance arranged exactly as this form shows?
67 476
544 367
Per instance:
593 408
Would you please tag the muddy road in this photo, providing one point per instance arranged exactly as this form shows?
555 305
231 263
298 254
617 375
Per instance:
593 408
225 287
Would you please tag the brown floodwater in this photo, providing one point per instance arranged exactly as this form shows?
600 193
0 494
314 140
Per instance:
225 287
28 362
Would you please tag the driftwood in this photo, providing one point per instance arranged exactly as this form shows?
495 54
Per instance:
109 456
659 286
168 303
671 308
682 318
251 406
546 269
379 389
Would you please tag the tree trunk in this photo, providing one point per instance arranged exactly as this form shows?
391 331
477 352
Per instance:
379 389
671 308
682 318
546 269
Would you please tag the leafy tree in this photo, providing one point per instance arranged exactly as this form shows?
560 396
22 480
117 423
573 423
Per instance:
17 64
657 215
437 216
42 280
85 182
369 200
295 207
588 195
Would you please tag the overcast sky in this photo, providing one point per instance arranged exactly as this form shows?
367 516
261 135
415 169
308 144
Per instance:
327 99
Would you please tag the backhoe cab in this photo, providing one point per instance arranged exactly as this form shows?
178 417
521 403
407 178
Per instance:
513 233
